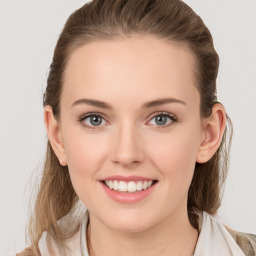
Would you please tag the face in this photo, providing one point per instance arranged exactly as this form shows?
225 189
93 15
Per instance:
127 142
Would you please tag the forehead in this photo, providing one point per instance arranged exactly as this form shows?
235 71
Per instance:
130 67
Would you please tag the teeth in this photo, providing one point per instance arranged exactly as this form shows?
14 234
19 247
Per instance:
111 184
150 183
145 185
122 186
130 187
139 186
115 185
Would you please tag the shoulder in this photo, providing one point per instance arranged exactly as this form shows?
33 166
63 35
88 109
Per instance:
49 246
246 241
26 252
69 243
213 232
70 246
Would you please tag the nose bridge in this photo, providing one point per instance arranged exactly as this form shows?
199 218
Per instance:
127 146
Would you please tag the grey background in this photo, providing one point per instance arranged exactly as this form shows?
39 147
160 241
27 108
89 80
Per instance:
28 33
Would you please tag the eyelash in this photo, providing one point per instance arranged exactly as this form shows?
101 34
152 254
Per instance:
83 117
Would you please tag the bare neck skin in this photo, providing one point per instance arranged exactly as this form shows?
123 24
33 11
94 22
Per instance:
172 236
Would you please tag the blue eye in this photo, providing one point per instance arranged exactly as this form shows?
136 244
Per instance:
92 120
162 118
95 120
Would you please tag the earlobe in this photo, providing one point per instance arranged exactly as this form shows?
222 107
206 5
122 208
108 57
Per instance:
213 130
54 134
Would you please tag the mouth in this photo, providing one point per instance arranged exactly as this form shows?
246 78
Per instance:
128 186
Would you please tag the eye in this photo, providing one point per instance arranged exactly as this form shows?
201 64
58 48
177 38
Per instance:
163 119
92 120
96 120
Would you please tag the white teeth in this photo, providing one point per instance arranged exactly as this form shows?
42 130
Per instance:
145 185
150 183
110 184
115 185
129 187
122 186
139 186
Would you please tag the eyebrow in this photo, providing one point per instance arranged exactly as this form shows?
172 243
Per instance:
149 104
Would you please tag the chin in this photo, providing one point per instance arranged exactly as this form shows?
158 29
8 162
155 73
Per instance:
130 224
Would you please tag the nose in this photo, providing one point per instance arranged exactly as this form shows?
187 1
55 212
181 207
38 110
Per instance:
127 146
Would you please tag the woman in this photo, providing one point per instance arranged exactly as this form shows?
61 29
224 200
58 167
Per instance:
136 135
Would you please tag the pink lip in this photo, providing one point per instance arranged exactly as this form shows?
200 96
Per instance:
128 198
129 178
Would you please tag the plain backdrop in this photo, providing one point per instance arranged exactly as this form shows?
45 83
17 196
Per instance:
28 34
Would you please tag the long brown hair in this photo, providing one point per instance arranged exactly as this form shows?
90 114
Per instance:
171 20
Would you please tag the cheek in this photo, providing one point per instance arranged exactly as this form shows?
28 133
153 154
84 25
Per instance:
175 155
84 153
85 156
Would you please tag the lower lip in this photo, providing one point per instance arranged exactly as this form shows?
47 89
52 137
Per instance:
127 198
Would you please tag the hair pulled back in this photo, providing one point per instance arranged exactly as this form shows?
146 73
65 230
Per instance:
170 20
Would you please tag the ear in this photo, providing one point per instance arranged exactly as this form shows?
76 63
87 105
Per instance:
213 130
54 134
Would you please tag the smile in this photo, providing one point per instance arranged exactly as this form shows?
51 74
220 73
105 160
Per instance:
129 187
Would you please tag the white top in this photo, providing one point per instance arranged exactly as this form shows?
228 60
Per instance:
213 240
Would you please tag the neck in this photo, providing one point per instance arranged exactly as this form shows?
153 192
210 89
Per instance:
166 238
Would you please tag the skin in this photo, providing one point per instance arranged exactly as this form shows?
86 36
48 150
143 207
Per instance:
125 73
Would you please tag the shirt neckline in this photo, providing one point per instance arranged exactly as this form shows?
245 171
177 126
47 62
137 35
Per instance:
211 231
84 225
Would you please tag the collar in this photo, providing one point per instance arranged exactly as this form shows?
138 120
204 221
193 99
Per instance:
214 239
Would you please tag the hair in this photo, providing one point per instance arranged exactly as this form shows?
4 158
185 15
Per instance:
170 20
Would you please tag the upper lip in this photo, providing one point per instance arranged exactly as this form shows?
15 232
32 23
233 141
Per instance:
127 178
